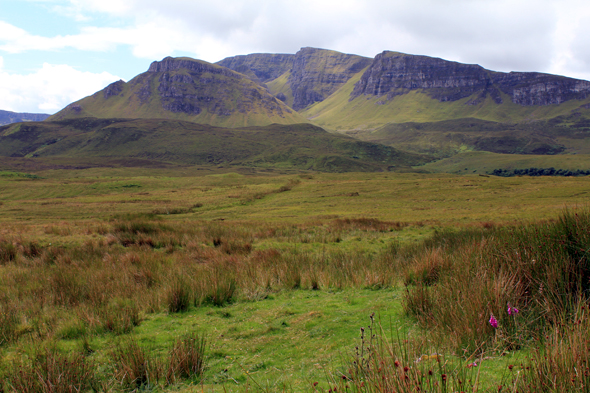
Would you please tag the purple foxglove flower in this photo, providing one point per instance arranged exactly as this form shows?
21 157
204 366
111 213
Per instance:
493 321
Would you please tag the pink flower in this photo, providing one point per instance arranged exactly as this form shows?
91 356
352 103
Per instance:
493 321
512 310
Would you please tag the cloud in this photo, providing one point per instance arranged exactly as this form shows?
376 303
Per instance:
49 89
498 34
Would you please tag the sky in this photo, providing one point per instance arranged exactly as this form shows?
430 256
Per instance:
54 52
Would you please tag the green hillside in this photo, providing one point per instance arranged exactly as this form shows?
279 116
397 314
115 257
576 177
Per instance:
447 137
370 112
300 146
186 89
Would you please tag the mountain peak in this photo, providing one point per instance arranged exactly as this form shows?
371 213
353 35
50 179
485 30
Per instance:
169 64
186 89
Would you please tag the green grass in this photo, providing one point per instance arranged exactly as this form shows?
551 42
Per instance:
423 200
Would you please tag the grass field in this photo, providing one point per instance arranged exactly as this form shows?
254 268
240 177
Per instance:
112 278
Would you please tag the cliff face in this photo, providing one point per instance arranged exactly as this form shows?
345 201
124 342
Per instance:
313 74
260 67
317 73
392 74
532 88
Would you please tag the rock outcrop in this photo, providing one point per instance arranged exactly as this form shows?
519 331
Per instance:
114 89
260 67
317 73
392 74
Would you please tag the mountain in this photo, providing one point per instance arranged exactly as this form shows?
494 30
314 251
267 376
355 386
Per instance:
7 117
160 141
186 89
334 90
398 88
309 76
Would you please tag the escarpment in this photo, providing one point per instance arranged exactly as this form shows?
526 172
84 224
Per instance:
392 74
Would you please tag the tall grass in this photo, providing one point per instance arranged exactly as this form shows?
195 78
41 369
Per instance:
51 371
562 363
540 269
454 282
187 357
385 362
135 368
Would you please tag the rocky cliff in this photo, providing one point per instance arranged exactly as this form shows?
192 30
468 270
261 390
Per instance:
392 74
317 73
260 67
308 76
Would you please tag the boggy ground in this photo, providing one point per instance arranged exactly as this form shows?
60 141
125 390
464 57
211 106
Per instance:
112 279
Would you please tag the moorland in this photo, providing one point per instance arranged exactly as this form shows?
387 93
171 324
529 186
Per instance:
201 279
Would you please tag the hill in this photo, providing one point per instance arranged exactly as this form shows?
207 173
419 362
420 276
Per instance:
301 146
7 117
186 89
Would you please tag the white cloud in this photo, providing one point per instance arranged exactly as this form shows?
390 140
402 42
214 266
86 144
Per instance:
49 89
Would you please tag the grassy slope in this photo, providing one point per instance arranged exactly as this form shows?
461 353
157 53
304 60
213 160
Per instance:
296 146
280 85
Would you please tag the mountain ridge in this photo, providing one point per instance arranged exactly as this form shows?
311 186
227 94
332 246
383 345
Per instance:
8 117
186 89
